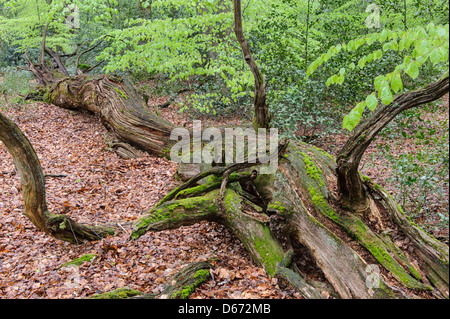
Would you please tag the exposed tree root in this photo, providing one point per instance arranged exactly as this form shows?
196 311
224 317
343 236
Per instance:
301 184
433 254
301 192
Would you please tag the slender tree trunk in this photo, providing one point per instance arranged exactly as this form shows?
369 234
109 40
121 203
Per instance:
262 117
307 34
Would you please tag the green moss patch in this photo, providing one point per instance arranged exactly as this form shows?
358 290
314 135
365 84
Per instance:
121 293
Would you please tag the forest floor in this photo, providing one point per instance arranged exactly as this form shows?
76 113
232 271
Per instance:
91 184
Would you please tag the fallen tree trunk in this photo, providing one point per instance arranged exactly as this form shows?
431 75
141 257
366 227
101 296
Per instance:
121 109
303 195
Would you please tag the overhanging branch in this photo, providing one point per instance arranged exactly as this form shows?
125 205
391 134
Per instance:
349 157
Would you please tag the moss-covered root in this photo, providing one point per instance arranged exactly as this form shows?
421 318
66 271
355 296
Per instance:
186 281
295 279
254 234
264 248
341 265
181 286
121 293
64 228
313 179
79 261
385 252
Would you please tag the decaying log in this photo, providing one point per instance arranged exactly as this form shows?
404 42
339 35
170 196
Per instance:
302 192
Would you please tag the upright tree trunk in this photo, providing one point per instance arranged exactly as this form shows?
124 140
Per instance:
262 117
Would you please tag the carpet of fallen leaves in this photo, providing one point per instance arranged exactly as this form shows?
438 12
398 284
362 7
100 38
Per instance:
92 185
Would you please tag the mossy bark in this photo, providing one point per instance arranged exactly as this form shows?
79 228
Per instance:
181 286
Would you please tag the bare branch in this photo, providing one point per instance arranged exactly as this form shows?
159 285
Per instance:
93 67
87 51
74 53
57 58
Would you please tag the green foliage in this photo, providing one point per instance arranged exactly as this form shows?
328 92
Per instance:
22 23
418 46
186 40
193 42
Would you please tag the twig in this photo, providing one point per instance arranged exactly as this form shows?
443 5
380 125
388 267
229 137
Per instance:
55 175
87 51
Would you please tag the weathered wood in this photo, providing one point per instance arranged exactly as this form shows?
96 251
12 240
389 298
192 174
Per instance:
121 109
301 191
181 286
434 254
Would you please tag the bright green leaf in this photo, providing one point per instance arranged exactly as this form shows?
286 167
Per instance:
386 95
362 62
435 57
413 70
397 83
